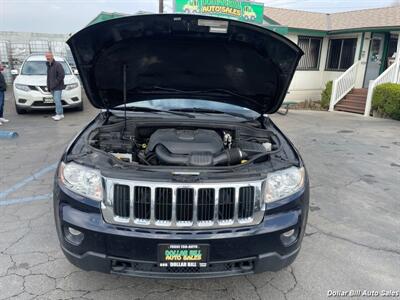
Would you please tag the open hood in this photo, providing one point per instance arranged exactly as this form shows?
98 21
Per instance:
184 56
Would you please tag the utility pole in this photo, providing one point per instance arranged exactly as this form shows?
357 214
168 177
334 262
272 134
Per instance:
160 6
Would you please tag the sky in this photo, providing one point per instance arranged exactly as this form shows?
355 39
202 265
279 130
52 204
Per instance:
68 16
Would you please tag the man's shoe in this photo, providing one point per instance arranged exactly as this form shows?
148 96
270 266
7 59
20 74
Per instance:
58 117
2 120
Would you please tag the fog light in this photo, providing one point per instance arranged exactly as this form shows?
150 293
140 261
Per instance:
73 235
74 231
22 100
288 234
289 237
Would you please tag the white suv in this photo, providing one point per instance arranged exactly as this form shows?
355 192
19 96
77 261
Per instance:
30 91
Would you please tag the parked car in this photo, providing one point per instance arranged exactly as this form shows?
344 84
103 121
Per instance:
30 91
182 174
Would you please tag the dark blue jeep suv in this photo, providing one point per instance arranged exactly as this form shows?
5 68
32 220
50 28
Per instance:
182 174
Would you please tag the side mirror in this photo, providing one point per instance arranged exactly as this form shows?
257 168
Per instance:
76 72
14 72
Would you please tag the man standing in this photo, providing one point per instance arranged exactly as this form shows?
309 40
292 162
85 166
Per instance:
55 83
3 87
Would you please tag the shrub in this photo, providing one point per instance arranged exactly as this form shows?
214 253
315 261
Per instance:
386 100
326 95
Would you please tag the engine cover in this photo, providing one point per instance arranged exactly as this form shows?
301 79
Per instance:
187 141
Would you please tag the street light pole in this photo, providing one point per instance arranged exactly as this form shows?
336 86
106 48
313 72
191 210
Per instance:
160 6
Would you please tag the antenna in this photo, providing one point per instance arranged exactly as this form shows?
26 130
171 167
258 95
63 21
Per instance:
124 91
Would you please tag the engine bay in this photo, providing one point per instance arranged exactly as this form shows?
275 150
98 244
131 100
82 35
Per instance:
178 144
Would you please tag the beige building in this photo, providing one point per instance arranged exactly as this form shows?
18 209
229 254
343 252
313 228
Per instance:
356 49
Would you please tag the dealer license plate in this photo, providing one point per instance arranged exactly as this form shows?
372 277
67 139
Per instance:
181 255
48 100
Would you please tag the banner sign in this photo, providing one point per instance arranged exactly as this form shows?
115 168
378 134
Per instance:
233 9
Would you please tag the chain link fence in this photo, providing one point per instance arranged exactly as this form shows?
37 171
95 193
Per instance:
13 53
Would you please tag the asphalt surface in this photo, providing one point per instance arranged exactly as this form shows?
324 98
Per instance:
352 240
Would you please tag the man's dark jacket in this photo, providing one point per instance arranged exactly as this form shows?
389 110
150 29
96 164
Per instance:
55 76
3 85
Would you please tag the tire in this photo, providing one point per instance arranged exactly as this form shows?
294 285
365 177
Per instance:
19 110
80 107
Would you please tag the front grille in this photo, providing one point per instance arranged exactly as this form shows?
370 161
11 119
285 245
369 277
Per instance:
44 88
174 205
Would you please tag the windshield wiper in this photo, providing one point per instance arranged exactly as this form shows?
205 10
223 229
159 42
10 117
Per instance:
154 110
213 111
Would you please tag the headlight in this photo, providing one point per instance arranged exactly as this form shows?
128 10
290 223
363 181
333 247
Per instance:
22 87
283 183
71 86
82 180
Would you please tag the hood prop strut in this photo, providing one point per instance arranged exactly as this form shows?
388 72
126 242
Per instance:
124 95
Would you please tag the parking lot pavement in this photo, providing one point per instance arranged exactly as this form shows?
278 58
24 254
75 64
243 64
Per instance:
352 240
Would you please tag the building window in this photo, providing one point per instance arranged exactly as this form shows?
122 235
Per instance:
311 47
341 54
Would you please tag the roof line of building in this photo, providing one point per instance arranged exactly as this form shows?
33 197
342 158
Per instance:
329 14
383 17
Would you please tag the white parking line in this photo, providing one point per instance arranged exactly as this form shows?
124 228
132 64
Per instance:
27 180
24 200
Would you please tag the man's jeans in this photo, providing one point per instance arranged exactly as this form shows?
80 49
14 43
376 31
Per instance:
57 101
1 103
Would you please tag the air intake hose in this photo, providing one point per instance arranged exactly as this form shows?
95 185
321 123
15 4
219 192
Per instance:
228 157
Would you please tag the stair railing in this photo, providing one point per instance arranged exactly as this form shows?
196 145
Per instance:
343 85
390 75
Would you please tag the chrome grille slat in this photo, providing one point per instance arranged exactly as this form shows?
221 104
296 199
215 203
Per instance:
236 207
216 204
195 205
154 205
173 219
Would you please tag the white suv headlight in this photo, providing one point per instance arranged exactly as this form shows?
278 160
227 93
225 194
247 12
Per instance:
71 86
82 180
283 183
22 87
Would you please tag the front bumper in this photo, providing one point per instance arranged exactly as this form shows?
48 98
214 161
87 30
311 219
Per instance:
33 100
133 251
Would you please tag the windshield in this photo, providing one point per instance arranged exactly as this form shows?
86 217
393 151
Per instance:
187 104
40 68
